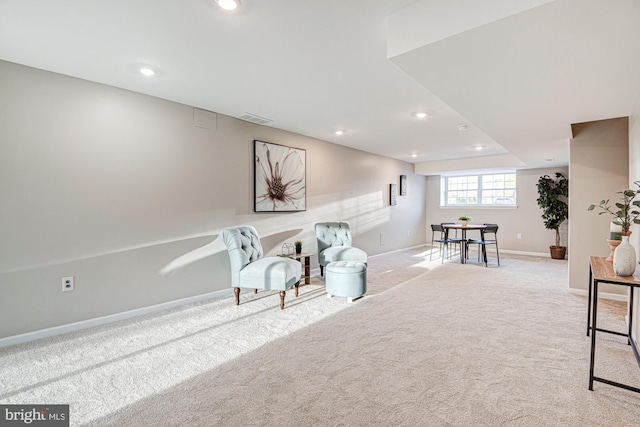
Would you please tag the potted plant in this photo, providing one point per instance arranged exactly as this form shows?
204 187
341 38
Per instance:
552 200
298 244
625 213
465 219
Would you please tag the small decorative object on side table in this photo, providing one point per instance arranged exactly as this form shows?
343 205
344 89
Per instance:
287 249
624 257
615 231
298 244
613 244
615 238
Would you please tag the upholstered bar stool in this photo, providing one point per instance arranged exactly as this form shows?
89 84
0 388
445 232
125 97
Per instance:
346 279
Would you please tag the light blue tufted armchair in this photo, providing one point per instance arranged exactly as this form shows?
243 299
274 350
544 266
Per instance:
250 269
334 244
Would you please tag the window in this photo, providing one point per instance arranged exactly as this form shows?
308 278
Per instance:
478 190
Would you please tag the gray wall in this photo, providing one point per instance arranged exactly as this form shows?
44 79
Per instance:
121 191
599 161
525 219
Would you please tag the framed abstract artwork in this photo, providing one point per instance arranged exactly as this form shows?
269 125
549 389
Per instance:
280 178
393 194
403 185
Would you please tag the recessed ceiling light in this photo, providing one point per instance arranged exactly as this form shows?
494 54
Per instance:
462 127
414 155
147 71
478 147
420 114
228 4
340 132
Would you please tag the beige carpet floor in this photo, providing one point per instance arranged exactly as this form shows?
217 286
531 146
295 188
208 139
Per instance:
430 345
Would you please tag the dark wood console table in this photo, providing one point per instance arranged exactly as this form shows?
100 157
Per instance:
601 271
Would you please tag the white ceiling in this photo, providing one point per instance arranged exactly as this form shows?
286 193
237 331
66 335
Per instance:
518 73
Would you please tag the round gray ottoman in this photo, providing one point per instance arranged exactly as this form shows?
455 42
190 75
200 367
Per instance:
346 279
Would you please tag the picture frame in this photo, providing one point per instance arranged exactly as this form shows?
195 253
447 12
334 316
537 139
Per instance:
393 194
403 185
280 178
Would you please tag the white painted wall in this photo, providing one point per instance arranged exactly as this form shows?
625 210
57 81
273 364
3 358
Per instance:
525 219
121 191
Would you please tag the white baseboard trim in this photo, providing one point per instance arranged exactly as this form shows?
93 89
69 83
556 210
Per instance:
511 251
399 250
601 295
99 321
538 254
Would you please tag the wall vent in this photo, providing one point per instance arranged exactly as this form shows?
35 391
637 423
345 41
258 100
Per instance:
248 117
205 119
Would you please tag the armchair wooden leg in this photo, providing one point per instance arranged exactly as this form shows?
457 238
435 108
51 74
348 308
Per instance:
296 285
282 294
237 292
255 291
321 271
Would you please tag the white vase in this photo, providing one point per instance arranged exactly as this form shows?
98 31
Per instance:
624 258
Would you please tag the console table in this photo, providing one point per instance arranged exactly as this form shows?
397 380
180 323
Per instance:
601 271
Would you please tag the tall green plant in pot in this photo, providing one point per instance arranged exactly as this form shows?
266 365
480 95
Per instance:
552 198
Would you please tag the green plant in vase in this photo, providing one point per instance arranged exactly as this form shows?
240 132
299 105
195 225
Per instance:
298 245
625 213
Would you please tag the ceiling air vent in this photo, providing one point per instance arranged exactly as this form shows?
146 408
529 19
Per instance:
248 117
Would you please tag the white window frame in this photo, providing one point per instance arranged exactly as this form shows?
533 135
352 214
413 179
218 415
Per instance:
444 192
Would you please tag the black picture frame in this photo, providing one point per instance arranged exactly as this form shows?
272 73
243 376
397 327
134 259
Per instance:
280 178
403 185
393 194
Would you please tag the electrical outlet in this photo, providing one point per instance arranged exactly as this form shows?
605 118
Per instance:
68 284
519 236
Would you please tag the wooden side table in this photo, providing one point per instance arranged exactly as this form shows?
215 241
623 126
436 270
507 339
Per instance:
601 271
306 265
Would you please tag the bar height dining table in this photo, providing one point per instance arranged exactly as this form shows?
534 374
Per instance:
464 228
